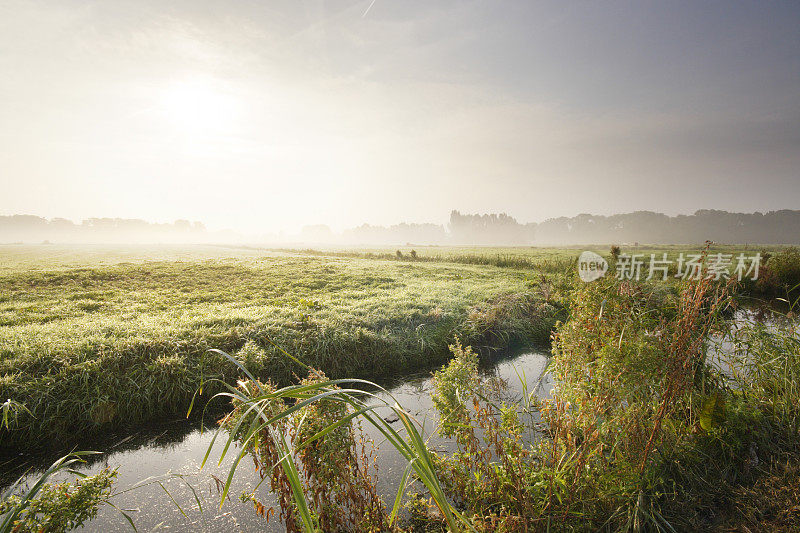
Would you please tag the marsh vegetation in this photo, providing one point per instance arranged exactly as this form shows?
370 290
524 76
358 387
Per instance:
647 428
643 431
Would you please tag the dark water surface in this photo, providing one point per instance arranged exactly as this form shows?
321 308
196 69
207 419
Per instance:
173 452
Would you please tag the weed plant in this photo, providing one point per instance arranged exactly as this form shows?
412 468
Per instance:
641 432
55 507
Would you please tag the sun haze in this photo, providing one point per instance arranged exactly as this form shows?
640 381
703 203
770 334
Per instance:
265 117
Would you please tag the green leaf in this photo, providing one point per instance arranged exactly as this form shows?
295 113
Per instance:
713 411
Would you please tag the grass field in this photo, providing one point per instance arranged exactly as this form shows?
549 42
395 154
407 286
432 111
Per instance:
92 336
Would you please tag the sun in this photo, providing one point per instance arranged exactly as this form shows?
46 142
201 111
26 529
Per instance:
198 106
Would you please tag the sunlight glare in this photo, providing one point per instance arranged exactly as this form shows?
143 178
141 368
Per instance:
198 106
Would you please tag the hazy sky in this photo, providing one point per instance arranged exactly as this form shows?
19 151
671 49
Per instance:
263 116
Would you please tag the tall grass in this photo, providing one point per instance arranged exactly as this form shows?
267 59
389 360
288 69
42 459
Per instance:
142 353
763 364
551 263
264 421
638 424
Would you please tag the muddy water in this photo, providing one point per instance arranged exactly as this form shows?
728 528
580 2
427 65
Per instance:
172 454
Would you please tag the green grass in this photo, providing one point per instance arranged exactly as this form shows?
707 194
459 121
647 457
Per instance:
121 339
534 254
640 434
92 336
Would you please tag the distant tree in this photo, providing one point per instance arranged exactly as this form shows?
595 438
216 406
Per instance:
488 229
396 234
399 254
414 255
183 225
62 223
316 233
774 227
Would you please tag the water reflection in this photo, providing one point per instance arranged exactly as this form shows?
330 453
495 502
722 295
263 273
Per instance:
172 453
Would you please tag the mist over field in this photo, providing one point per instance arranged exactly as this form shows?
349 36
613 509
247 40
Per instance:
265 119
774 227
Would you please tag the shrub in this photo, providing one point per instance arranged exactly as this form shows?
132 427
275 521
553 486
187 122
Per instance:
334 469
488 474
56 507
782 273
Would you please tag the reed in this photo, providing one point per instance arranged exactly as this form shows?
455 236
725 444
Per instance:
263 421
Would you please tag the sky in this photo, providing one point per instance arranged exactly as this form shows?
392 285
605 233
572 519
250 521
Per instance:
264 116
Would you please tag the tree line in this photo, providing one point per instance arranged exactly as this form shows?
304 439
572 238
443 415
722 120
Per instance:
30 228
773 227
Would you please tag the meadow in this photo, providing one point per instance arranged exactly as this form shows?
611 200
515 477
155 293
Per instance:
93 337
644 431
98 337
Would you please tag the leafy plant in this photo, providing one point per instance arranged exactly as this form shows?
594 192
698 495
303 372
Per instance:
781 275
268 423
55 507
10 412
